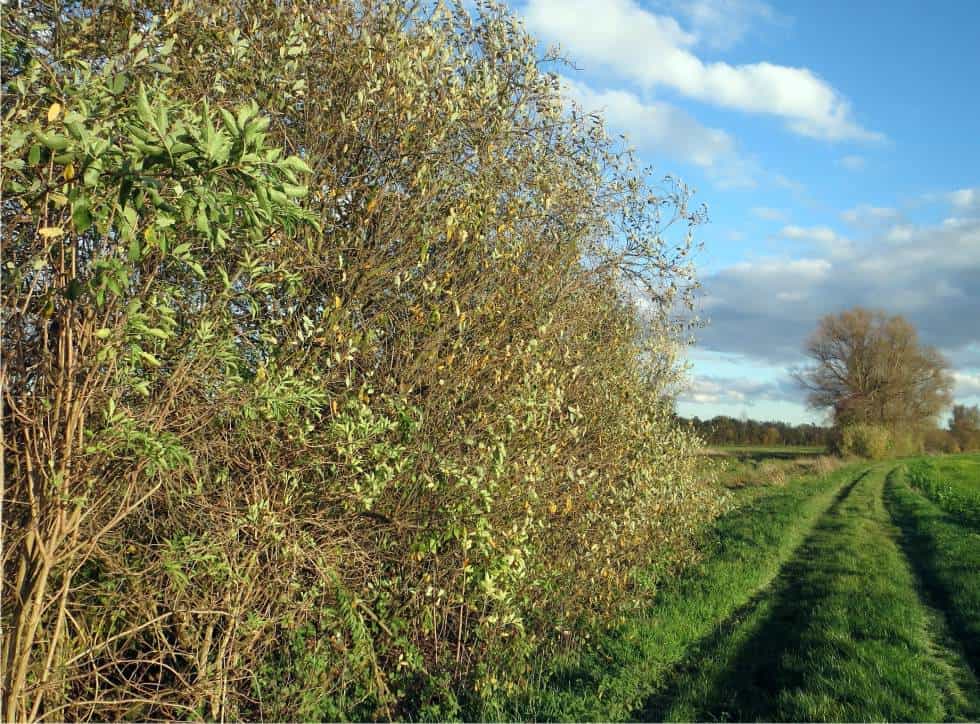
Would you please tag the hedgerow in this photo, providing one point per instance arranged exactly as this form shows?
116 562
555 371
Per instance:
338 364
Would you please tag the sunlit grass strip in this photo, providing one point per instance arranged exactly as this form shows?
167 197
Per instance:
946 557
745 551
843 636
952 483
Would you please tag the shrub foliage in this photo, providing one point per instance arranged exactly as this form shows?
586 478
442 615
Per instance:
338 361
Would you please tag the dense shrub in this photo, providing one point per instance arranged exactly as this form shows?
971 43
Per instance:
326 392
940 441
906 442
864 440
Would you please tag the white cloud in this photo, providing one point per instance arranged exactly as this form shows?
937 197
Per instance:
654 126
764 212
721 24
654 50
820 237
712 389
900 233
956 222
819 234
865 213
965 198
852 163
967 384
664 128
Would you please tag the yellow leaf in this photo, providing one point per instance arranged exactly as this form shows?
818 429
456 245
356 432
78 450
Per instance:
69 172
336 302
53 112
49 232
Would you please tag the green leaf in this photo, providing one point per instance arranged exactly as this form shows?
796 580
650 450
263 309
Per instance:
34 155
297 164
135 249
202 223
229 121
91 175
17 139
80 215
53 141
103 333
150 359
182 249
247 113
143 106
295 192
118 84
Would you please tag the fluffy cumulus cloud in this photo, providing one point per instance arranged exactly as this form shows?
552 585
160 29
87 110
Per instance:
931 274
711 389
654 126
660 127
654 50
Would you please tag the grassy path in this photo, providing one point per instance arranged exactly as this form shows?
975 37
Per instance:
843 634
745 552
945 552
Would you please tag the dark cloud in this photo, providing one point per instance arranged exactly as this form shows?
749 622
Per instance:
765 309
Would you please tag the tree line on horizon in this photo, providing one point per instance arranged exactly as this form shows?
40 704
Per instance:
727 430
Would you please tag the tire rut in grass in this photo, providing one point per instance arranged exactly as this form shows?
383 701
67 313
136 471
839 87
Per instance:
842 635
680 692
943 556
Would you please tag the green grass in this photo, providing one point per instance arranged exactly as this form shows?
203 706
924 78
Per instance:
946 555
623 670
842 635
953 483
845 597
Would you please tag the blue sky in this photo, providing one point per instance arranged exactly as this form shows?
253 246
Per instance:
837 147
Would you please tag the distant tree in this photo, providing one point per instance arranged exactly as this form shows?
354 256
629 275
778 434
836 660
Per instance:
770 436
964 426
868 367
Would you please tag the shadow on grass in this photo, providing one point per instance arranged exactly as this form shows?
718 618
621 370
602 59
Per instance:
946 565
747 687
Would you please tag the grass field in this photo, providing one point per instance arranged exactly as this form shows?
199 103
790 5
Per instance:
844 596
953 483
